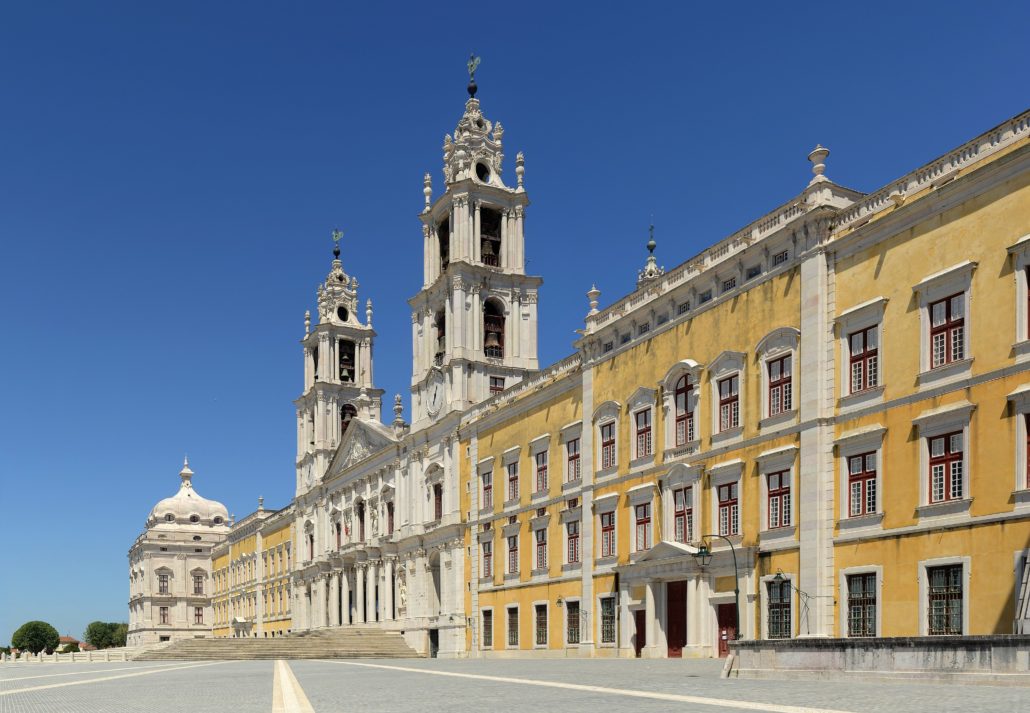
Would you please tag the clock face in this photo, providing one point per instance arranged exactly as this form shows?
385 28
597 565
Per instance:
435 394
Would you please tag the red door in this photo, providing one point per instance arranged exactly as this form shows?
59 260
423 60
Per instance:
727 615
676 630
640 637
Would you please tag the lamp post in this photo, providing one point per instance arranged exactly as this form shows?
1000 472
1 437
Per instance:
704 557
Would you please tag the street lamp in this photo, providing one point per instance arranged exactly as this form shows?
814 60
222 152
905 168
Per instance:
704 557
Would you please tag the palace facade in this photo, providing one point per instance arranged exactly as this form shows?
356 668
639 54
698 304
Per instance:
818 426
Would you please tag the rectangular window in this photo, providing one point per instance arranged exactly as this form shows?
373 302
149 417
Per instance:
862 484
947 330
683 308
684 412
496 384
729 284
487 502
643 328
338 528
683 514
607 620
389 518
572 614
541 472
753 272
729 402
513 481
572 455
864 361
437 501
513 554
705 296
541 548
488 559
779 499
729 515
946 477
488 628
513 627
780 396
643 433
779 258
163 612
541 624
945 605
162 584
779 610
572 544
608 446
608 346
608 534
198 584
643 513
862 605
198 615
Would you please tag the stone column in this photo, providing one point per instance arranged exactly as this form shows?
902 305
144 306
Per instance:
334 599
370 595
503 259
359 594
649 616
476 232
344 597
388 592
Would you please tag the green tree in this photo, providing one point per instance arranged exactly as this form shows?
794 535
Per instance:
36 636
71 649
120 634
105 634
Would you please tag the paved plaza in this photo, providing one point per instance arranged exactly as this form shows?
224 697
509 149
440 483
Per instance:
453 686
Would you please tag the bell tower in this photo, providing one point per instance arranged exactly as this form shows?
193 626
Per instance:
474 322
338 384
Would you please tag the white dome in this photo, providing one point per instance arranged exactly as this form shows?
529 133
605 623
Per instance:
188 507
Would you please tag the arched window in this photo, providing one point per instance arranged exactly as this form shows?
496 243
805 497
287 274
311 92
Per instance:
346 351
493 328
490 236
441 336
443 234
347 412
360 513
684 414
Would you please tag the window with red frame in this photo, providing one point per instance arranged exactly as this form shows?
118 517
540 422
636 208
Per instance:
684 416
437 501
198 615
862 484
572 454
608 445
496 384
778 485
864 360
389 518
608 534
513 481
729 514
729 402
198 584
683 514
513 554
643 515
947 330
946 477
780 397
572 530
541 548
488 491
488 559
643 419
541 472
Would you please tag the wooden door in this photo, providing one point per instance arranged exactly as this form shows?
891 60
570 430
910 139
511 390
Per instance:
676 617
727 614
640 637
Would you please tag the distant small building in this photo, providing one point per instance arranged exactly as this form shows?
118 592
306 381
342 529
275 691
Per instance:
66 642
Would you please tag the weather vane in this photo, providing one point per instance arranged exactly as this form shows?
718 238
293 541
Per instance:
472 65
337 236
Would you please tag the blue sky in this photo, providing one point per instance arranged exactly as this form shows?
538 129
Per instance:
170 174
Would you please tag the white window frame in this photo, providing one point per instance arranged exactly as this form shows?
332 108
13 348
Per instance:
569 432
537 569
607 413
565 619
763 587
507 620
935 422
1019 399
924 590
1020 254
486 465
862 316
693 371
601 643
727 473
681 476
643 495
776 460
867 439
540 444
547 612
843 575
512 455
951 281
605 504
643 399
724 366
776 345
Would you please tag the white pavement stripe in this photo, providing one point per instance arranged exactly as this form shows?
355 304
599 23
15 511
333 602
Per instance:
287 695
700 700
108 678
88 671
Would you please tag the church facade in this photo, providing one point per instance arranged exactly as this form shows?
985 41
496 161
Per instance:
817 426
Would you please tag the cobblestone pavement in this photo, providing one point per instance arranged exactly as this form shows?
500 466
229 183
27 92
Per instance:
433 685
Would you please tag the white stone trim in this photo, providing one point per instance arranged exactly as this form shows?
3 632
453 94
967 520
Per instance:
680 476
924 590
507 619
934 422
843 575
862 316
953 280
511 454
724 366
565 620
726 473
606 413
493 629
668 388
763 604
1020 254
1019 399
547 629
540 443
852 443
775 465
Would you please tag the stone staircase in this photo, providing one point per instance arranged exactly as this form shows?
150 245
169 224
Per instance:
341 643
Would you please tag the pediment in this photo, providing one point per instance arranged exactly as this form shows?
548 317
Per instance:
362 440
666 549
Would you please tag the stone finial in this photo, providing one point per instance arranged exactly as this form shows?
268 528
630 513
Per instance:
232 519
427 190
368 312
307 322
398 411
261 503
651 270
186 474
520 168
818 158
592 295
